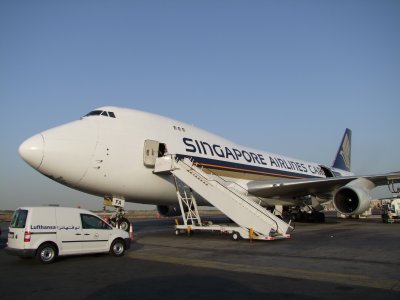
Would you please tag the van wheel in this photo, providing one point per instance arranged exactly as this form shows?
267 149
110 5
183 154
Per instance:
46 253
117 248
124 224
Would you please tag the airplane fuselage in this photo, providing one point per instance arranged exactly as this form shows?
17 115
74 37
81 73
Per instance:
105 153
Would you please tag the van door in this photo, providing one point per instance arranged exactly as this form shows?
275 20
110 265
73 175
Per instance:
96 234
16 232
69 232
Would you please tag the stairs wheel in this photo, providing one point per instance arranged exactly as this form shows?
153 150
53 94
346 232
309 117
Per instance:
235 236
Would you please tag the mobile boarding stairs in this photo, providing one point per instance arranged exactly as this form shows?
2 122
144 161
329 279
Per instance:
252 220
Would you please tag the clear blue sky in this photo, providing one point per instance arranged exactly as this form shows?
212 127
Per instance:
282 76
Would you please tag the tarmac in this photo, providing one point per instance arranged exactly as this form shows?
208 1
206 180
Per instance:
339 259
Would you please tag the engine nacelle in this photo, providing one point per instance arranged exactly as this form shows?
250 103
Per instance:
353 198
169 211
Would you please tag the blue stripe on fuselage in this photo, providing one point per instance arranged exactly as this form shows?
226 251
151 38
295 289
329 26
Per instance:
242 168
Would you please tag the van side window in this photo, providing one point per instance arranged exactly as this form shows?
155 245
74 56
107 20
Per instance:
93 222
19 218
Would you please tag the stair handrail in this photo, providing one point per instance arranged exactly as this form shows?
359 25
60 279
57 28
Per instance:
227 181
245 200
233 182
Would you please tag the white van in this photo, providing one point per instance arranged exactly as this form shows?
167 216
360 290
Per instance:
48 232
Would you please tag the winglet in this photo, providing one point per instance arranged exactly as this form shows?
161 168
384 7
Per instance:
343 156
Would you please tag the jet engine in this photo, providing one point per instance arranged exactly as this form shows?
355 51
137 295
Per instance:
169 211
353 198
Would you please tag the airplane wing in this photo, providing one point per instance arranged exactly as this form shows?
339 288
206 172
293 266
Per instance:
302 187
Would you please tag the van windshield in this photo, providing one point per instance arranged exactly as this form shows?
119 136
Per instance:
19 218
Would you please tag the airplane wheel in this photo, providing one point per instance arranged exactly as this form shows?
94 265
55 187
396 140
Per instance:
320 217
177 232
124 224
286 217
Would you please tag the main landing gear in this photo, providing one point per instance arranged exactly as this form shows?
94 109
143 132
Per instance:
311 216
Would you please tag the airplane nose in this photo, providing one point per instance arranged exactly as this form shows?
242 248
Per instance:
32 150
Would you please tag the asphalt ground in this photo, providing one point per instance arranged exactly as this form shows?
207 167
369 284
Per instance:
340 259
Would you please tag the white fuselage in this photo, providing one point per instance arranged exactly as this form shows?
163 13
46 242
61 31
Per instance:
104 156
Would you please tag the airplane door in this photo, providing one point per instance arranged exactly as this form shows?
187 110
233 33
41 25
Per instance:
150 152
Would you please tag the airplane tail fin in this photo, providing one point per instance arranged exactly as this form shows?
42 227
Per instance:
343 156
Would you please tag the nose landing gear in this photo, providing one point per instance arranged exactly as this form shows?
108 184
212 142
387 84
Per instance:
117 219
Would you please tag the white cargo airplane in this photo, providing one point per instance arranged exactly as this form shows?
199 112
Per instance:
111 152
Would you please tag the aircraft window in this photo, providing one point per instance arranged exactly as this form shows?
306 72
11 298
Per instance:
94 113
179 128
101 113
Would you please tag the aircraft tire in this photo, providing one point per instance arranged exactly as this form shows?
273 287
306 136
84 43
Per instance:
124 224
385 218
318 217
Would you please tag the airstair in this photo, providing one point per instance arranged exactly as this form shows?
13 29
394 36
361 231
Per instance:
252 220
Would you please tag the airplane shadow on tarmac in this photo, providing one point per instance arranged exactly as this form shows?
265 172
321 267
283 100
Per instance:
187 287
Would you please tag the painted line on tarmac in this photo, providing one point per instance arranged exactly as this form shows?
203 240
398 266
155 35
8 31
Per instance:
338 278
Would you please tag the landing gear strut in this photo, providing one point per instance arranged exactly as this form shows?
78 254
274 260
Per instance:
118 219
311 216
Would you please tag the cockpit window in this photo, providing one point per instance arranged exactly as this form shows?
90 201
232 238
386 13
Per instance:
94 113
101 113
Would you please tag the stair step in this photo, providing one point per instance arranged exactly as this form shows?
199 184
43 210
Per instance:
237 206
